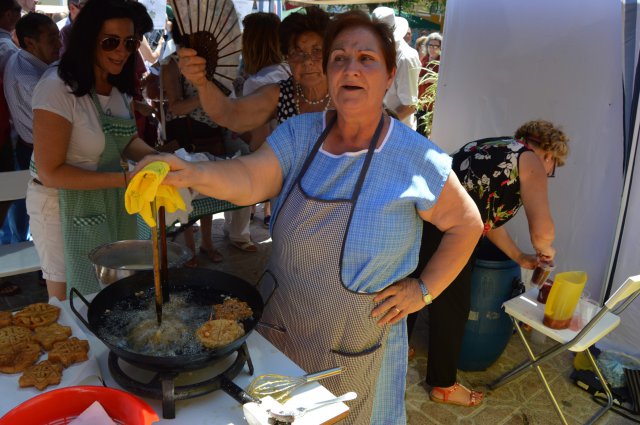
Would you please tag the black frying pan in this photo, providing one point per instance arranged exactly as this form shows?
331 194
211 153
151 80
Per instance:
207 287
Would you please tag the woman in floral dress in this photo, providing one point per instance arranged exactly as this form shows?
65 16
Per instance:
500 174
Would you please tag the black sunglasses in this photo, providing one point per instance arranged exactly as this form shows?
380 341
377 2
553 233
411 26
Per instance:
109 44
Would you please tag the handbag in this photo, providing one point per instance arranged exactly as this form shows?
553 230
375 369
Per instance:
195 136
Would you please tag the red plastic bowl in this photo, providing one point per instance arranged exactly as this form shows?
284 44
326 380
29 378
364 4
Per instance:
61 406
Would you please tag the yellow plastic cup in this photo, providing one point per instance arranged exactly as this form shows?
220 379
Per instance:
563 299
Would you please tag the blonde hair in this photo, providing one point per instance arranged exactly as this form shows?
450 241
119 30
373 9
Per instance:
544 135
420 41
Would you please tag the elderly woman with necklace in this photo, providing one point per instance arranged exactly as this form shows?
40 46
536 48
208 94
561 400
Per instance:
301 36
353 188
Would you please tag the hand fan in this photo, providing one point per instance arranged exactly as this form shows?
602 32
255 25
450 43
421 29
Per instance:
211 27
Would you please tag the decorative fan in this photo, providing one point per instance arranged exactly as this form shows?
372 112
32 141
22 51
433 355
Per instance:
211 27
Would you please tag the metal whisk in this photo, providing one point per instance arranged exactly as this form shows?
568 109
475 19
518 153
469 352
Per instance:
280 386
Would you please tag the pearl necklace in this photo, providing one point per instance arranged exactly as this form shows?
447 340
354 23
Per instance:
300 94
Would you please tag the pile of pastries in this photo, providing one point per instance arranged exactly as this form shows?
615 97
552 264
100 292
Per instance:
31 332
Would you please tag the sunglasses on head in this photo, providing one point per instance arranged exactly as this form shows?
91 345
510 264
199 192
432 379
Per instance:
109 44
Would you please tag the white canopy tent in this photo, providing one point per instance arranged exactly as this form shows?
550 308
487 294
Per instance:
505 62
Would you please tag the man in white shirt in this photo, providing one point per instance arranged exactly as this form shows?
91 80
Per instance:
39 46
402 96
9 15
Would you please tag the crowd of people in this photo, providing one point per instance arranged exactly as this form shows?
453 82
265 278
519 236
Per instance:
371 221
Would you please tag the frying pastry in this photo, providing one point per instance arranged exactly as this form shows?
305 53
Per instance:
149 338
16 358
217 333
68 352
5 318
14 335
232 309
48 335
41 375
38 314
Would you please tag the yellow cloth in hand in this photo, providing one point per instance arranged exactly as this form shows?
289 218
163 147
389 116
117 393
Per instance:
146 186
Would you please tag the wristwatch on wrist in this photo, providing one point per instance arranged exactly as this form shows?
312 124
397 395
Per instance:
426 296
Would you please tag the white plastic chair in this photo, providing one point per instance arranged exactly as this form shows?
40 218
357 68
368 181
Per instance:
527 310
22 257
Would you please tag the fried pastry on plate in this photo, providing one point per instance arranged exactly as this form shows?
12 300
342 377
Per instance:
50 334
13 335
41 375
38 314
18 357
68 352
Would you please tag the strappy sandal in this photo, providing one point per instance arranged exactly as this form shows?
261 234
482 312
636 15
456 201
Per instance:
213 254
192 262
475 397
247 246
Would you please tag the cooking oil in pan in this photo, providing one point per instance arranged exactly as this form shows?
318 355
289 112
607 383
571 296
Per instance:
136 329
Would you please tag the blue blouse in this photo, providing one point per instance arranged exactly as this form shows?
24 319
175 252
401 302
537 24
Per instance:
406 175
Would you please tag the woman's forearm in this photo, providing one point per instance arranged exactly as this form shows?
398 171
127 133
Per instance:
69 177
501 238
452 255
138 149
184 106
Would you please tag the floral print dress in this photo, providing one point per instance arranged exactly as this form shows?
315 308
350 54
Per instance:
488 170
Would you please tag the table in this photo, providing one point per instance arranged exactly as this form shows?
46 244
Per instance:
218 408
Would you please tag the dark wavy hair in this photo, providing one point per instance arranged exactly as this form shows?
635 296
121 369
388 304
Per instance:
260 44
354 19
309 19
76 65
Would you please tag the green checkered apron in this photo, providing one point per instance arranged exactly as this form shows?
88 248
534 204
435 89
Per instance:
91 218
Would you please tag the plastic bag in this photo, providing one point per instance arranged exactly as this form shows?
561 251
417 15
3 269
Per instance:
612 365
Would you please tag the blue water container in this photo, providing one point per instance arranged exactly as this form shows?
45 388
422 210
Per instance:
489 328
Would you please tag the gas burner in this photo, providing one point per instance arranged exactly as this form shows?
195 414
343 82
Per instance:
162 385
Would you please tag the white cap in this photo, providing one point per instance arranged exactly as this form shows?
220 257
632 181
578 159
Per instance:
398 24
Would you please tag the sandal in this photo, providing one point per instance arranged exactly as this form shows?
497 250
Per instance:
213 254
245 246
475 397
192 262
8 289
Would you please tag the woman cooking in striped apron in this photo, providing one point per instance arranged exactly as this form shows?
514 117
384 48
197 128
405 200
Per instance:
83 127
353 187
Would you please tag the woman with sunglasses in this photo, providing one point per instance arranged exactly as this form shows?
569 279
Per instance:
83 130
301 36
501 175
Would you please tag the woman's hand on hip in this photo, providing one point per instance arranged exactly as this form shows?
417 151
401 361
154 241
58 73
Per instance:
397 301
192 66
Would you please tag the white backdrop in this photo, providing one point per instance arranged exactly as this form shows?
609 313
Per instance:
505 62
